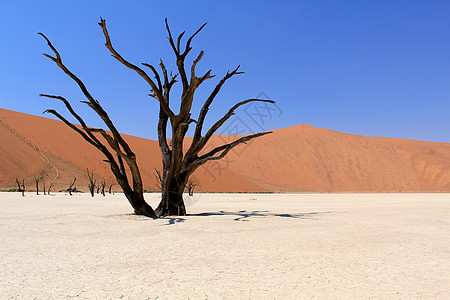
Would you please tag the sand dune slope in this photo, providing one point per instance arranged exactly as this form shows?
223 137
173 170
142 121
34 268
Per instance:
299 158
306 158
17 157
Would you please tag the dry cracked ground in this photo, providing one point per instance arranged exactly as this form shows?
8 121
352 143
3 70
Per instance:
231 246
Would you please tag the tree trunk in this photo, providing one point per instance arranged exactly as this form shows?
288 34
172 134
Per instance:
172 203
139 205
37 186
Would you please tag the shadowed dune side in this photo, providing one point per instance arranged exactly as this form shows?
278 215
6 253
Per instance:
298 158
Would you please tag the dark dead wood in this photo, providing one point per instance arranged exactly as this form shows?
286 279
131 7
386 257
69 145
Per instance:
129 65
71 189
158 178
97 188
36 182
133 191
110 188
21 186
190 187
92 181
103 186
205 108
178 164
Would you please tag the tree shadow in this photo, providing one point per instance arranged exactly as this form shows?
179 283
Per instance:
240 216
245 216
172 220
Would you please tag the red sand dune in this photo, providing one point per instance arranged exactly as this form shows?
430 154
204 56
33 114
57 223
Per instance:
299 158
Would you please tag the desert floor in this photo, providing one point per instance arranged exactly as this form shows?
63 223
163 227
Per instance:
231 246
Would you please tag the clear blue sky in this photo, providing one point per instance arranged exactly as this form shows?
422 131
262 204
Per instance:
377 68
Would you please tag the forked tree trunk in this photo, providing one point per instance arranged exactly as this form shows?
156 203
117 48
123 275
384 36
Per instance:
172 203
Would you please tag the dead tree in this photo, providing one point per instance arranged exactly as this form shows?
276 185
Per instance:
44 188
103 186
177 165
36 181
71 189
49 188
110 188
21 186
190 187
92 181
97 188
158 178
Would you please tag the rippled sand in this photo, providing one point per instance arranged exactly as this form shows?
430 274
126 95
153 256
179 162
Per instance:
232 246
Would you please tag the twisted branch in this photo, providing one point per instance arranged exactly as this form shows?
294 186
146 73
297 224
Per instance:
205 108
116 55
92 103
225 149
202 142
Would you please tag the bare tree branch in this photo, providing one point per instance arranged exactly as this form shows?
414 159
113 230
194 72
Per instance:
72 111
181 56
94 104
179 40
60 64
204 140
171 42
156 75
89 137
188 43
141 72
205 108
225 149
80 132
111 141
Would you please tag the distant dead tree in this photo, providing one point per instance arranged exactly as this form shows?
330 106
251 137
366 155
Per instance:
103 186
92 181
36 181
97 188
158 178
178 165
190 187
71 189
49 188
110 188
21 186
